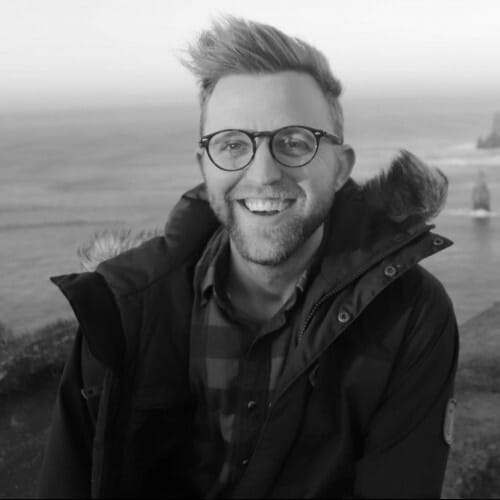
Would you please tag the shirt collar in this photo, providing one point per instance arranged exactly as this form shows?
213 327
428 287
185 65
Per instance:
211 270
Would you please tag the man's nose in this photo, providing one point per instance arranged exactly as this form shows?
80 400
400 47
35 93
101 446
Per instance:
263 169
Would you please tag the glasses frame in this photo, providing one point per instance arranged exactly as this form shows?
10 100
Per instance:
318 134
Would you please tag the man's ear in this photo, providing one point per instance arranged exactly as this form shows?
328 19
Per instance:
199 159
347 159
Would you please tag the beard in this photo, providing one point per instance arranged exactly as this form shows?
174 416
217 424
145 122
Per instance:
270 244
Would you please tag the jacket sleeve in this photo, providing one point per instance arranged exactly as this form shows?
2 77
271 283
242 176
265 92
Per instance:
407 443
66 468
67 465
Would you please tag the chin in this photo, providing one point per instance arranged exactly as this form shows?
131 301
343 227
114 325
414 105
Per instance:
272 246
265 251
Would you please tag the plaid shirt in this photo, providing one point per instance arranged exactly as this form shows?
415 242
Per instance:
234 366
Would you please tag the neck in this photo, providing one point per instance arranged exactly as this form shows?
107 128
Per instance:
262 290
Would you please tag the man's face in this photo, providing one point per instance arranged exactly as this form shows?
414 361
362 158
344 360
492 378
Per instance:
271 210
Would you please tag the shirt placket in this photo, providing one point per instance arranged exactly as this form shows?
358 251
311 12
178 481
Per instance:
252 403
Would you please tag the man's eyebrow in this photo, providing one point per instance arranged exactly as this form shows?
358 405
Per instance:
229 132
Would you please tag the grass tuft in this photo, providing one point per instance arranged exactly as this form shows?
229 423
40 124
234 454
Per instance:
28 358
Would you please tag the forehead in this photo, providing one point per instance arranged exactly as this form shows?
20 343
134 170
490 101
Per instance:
266 102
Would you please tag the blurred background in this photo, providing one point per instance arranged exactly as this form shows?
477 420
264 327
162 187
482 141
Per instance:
98 122
98 130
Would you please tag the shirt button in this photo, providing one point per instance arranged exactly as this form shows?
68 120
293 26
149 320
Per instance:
244 462
251 405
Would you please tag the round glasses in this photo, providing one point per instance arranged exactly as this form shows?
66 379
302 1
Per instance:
292 146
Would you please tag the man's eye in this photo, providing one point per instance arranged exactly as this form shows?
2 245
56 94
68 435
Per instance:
292 145
232 148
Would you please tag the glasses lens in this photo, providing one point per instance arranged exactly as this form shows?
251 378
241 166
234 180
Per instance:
230 149
294 146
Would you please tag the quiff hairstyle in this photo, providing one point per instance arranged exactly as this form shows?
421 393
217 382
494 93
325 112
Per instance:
238 46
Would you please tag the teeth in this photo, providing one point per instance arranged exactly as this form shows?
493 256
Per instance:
260 205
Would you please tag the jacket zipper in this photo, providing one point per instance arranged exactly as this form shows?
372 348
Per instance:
355 276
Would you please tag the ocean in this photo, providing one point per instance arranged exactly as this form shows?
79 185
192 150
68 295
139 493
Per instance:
66 174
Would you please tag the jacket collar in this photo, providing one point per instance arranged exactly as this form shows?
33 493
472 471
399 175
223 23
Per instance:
360 235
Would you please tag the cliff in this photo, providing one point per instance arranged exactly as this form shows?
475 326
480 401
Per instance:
475 456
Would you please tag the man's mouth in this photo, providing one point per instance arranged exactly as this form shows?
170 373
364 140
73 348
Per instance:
266 206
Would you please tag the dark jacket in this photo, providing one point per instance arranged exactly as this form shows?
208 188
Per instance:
360 408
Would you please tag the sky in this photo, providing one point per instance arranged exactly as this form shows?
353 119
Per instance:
72 52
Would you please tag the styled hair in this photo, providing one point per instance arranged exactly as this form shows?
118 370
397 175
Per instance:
239 46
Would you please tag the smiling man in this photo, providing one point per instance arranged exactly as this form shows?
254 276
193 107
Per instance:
275 180
280 339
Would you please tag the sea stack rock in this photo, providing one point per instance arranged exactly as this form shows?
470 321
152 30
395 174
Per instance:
493 140
481 194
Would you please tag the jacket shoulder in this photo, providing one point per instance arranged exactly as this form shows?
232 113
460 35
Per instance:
407 318
129 264
137 268
425 286
425 294
97 313
419 315
431 316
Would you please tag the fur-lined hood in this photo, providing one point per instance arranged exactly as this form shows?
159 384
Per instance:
408 189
